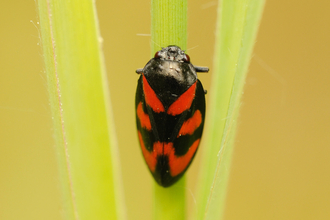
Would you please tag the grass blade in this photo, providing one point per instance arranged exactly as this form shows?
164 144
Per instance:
238 21
81 111
169 27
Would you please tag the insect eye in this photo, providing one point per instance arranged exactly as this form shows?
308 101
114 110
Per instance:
157 55
186 58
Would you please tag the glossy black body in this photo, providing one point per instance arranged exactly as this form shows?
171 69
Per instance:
169 79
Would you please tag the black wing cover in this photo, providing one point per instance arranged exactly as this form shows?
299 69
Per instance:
169 141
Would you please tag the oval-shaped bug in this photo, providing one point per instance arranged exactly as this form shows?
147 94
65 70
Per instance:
170 113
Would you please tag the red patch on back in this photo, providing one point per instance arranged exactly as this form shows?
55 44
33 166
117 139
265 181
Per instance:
183 102
177 164
143 117
190 125
151 97
150 158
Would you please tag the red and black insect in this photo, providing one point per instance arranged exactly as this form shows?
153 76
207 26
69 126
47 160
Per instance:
170 112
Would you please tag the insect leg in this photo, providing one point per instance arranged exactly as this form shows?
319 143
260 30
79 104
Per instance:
139 71
201 69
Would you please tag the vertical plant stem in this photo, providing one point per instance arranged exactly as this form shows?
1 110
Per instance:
237 25
81 110
169 27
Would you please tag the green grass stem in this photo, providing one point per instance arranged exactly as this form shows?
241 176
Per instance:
169 27
237 25
81 111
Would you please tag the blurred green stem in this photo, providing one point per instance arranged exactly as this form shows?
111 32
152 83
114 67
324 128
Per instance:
81 110
237 25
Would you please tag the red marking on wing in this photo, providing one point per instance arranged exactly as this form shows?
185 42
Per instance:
151 97
158 148
190 125
143 117
183 102
177 164
150 158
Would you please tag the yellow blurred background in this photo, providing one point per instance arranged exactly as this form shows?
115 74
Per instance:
281 162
